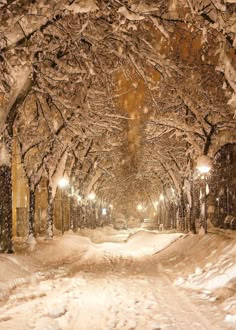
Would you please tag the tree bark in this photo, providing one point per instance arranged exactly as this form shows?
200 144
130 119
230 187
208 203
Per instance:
191 211
182 211
49 225
72 212
16 98
7 117
32 213
76 217
6 209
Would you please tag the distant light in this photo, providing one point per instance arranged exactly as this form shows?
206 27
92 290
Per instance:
139 207
145 110
92 196
63 182
79 198
161 197
156 204
104 211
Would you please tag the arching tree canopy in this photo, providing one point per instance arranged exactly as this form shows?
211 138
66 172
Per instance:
126 93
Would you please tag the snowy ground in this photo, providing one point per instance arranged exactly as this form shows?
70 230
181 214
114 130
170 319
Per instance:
130 280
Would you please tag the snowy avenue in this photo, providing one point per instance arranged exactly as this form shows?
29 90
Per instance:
117 164
73 283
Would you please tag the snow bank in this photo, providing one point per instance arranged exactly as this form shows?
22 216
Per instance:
214 276
216 279
100 234
145 242
206 265
80 252
13 266
140 244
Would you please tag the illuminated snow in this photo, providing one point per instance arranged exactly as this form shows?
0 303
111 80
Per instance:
122 283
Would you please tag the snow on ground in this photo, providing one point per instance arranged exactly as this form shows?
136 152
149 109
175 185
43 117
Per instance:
106 234
216 279
105 279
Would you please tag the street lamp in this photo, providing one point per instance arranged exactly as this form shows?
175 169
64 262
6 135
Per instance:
156 204
63 183
139 207
204 165
110 212
162 197
92 196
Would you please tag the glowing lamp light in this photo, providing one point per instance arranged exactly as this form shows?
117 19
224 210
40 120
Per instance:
204 169
204 164
161 197
104 211
79 198
92 196
63 182
155 204
139 207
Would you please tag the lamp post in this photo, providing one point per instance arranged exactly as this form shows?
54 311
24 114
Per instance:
155 214
91 199
79 211
204 165
63 183
140 209
104 216
110 212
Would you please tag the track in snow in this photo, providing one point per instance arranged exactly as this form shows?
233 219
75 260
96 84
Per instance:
126 299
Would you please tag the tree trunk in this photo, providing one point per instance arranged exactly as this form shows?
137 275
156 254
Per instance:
80 217
76 217
32 213
72 212
62 211
204 206
6 243
7 118
191 211
182 211
49 225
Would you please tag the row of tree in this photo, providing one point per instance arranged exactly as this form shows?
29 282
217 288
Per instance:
124 96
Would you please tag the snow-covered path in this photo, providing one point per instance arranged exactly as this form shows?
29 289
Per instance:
105 301
115 292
